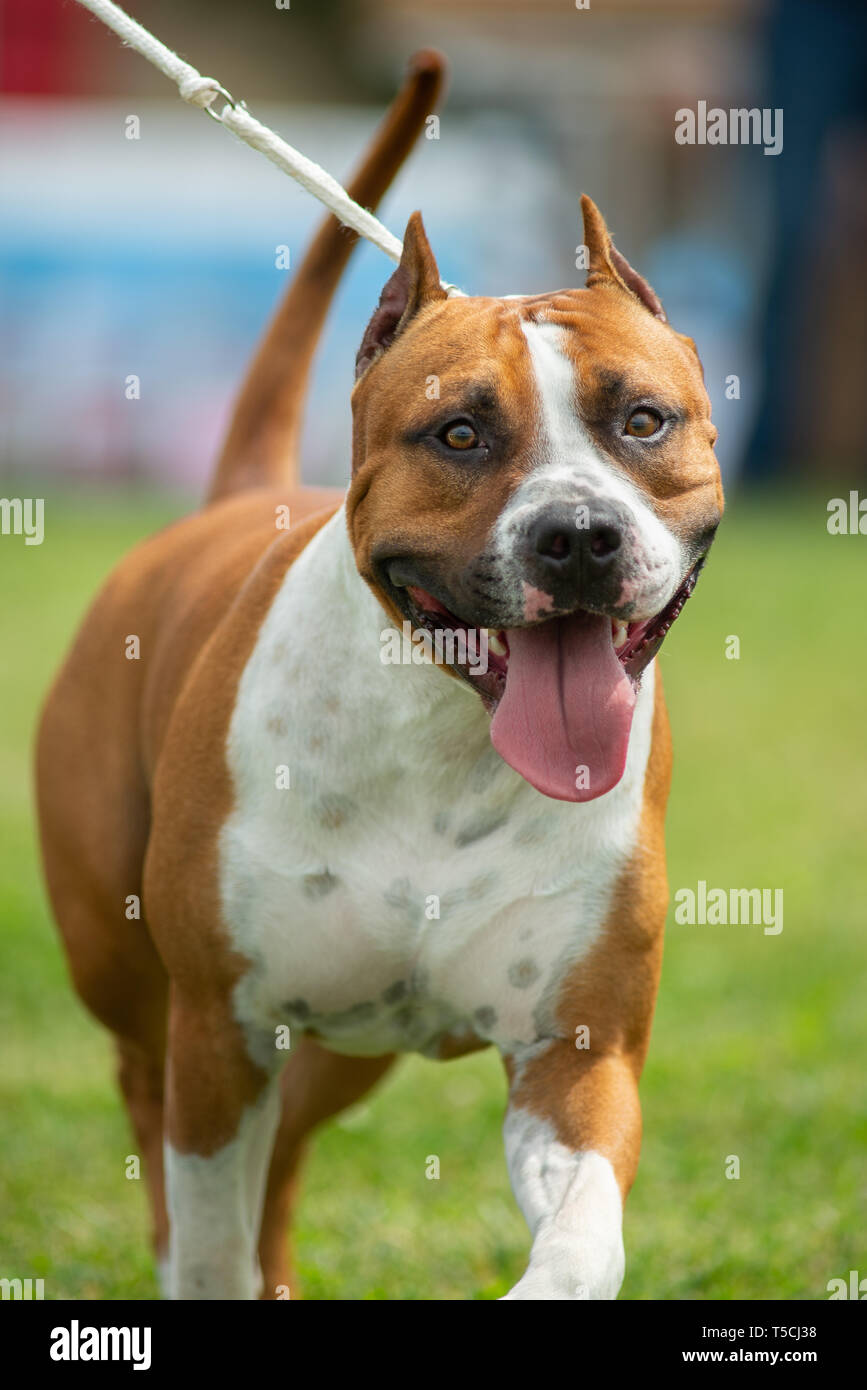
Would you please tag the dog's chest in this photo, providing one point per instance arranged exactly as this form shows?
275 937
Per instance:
390 878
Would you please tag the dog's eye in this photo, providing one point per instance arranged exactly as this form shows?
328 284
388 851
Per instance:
643 423
460 435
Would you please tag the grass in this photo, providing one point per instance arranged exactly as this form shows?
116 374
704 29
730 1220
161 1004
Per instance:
758 1042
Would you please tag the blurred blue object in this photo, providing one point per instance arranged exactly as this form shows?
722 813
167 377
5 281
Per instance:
708 290
157 259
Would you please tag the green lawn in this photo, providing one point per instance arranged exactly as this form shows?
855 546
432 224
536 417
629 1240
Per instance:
758 1046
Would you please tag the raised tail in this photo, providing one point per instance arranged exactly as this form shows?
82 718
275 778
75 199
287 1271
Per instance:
261 446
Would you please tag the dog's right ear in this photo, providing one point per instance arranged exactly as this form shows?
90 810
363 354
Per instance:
415 282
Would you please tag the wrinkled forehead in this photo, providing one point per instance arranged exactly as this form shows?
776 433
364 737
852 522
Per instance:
615 349
470 352
589 349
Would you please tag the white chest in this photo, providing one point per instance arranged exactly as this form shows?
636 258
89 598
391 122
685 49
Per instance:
406 883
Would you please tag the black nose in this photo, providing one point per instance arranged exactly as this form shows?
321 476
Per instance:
571 554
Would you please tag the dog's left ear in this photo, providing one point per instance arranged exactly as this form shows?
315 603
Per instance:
607 264
415 282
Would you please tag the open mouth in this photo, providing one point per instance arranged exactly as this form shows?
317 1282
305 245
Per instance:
561 692
635 644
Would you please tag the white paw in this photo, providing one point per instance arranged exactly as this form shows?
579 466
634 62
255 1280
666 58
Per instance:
545 1285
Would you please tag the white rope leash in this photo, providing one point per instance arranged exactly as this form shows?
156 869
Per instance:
201 91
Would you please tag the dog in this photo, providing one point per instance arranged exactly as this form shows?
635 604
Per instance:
265 842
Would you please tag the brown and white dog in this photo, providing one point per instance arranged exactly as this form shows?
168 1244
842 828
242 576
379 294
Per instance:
386 857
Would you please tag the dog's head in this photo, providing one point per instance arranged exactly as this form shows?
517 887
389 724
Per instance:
541 467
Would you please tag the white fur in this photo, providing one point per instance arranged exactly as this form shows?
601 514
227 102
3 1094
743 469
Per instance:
572 1204
404 766
215 1208
324 885
570 469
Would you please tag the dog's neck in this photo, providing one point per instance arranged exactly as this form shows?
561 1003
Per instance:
376 722
318 665
422 688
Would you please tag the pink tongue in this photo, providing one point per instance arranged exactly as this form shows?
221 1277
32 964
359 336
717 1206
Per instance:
567 707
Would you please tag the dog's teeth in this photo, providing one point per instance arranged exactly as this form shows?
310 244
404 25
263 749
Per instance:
620 632
494 643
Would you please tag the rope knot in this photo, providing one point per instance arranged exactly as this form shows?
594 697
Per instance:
199 91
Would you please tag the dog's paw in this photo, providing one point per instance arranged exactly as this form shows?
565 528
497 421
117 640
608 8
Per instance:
543 1285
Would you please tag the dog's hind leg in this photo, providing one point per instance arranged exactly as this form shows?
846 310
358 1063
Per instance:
140 1076
315 1085
94 818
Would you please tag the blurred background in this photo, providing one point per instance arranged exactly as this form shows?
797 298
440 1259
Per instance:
155 257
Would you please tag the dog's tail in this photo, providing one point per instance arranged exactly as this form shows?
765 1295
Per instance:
261 446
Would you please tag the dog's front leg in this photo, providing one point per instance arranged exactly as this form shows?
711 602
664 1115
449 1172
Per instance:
572 1134
221 1118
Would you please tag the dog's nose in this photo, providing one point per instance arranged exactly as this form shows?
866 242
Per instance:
560 545
571 555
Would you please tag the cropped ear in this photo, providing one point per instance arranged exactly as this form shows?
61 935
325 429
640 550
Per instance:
415 282
606 262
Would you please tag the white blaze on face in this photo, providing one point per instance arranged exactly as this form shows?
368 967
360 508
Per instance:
569 469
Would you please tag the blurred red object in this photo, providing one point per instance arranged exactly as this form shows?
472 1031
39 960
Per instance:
48 48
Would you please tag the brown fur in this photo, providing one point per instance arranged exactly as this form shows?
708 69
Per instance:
132 782
262 443
400 501
124 745
591 1095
